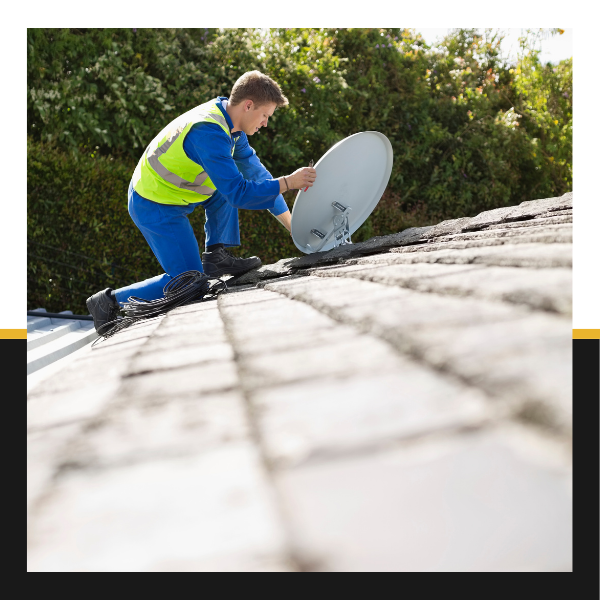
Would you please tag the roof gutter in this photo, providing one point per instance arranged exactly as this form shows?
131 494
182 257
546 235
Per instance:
35 313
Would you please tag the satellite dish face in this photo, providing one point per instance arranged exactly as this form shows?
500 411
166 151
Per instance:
351 178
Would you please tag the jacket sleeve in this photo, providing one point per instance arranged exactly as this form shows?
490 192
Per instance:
252 169
209 146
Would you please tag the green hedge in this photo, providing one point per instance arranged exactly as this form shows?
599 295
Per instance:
469 131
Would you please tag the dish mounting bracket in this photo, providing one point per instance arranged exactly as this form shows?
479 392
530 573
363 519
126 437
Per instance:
340 231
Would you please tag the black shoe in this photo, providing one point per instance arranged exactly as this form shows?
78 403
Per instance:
220 262
103 308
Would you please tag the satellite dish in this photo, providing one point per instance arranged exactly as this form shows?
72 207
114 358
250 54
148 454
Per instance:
351 178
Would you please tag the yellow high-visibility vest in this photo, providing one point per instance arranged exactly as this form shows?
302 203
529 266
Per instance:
164 173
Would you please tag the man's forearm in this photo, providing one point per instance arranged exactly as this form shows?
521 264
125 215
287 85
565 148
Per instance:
285 219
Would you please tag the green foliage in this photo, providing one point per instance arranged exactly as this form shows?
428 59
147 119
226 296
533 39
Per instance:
470 132
543 94
79 230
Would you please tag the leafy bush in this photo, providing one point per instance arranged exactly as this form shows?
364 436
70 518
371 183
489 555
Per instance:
470 132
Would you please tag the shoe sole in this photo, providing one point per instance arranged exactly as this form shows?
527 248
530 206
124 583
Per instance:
90 305
230 271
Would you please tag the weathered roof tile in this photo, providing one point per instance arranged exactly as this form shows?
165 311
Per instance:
322 409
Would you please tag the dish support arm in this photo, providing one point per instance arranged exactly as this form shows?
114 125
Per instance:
340 231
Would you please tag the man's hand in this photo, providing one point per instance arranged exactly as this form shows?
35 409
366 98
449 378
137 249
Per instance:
302 177
299 179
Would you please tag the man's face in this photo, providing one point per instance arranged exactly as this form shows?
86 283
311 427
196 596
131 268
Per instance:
256 117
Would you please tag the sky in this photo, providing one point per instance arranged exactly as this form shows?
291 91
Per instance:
554 48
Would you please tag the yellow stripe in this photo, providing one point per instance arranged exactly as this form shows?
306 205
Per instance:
13 334
586 334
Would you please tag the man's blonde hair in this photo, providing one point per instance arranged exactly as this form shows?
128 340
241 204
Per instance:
259 88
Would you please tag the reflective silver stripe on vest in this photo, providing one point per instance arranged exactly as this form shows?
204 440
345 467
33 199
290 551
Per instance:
219 118
195 186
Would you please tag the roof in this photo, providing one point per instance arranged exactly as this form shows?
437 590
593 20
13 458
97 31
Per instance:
400 404
52 338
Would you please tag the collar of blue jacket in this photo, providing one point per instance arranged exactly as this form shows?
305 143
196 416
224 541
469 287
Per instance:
222 109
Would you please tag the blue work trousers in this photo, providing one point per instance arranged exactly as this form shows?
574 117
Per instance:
169 233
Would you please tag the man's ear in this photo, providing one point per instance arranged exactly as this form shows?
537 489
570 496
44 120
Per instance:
248 105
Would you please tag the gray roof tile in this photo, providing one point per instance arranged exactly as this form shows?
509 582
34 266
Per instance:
331 411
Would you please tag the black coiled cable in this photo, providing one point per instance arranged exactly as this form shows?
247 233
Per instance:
187 288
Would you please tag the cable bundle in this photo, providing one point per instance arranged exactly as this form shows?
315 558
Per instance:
186 288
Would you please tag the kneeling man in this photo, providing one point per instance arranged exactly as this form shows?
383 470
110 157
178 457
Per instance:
203 158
